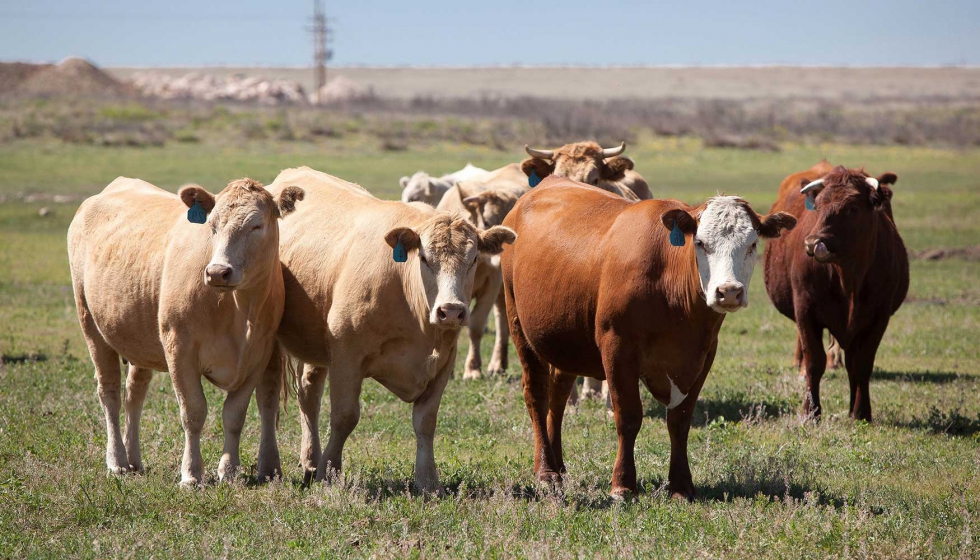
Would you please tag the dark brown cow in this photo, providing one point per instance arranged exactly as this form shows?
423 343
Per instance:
843 269
608 297
589 163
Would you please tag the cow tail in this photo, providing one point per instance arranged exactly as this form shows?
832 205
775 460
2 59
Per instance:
287 379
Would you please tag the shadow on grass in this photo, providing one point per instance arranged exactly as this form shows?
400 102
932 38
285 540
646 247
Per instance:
937 377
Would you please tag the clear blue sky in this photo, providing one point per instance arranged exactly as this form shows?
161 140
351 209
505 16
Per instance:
460 33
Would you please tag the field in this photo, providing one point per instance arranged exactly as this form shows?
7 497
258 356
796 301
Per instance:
770 485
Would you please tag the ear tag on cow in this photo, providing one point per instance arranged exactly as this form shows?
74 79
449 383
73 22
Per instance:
676 236
809 203
400 254
533 179
196 214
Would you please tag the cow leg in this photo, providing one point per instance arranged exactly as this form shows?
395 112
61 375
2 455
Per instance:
814 364
345 412
621 367
137 383
679 426
233 420
498 359
186 379
310 394
477 325
561 386
267 395
591 388
425 411
859 359
109 377
835 354
537 387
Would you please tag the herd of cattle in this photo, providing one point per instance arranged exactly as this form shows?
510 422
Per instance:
586 272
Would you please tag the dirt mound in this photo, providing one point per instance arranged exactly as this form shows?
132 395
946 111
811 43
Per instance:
970 253
341 89
72 77
12 74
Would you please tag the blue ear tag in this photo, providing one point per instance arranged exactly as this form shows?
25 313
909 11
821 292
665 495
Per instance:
533 179
196 214
676 236
399 254
809 203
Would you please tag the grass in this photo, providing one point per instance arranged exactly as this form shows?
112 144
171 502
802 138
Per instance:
906 486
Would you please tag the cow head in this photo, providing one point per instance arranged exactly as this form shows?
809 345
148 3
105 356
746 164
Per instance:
846 202
585 162
244 229
445 250
422 187
726 232
490 207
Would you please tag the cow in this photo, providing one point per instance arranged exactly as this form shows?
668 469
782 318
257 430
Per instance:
589 163
374 289
422 187
196 299
844 269
608 297
486 204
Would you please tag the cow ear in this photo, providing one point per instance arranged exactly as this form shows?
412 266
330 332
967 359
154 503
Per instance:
407 236
614 169
492 240
772 225
685 222
287 199
888 178
190 194
541 167
403 182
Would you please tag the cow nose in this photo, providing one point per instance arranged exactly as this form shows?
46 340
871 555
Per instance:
218 274
730 294
451 314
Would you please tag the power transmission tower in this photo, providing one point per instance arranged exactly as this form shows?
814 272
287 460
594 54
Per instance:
321 54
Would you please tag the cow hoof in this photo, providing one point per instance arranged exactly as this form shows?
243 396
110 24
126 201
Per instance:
189 483
472 374
623 495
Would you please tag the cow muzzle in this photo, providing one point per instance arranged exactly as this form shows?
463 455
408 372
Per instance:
450 315
729 297
817 248
221 276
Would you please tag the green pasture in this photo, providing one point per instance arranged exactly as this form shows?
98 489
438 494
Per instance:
907 485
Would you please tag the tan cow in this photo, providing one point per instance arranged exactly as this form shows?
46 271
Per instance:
590 163
486 204
353 312
195 299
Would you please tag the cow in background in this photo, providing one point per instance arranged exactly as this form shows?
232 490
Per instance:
844 269
422 187
589 163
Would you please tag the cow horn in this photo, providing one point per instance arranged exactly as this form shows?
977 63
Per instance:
873 182
815 185
610 152
544 154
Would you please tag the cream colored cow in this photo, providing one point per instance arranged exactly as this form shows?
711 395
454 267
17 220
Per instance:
485 203
352 312
195 299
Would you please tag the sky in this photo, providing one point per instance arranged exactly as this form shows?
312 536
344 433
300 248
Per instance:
499 32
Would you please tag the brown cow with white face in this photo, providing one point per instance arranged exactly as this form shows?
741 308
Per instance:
589 163
353 311
611 298
195 299
844 269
